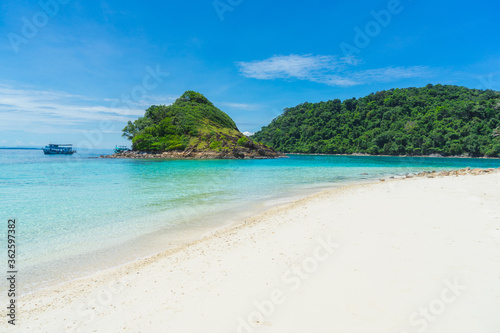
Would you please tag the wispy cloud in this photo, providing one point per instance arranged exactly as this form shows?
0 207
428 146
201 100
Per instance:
326 69
43 110
291 66
242 106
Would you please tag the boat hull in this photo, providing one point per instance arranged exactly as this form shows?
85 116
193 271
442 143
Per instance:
52 152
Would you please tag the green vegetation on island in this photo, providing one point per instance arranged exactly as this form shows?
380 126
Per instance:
436 119
195 126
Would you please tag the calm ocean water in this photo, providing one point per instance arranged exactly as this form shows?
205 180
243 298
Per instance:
78 214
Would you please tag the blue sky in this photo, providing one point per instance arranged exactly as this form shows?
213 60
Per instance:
76 71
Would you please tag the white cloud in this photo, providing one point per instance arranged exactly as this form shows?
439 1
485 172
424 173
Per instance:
248 133
291 66
43 110
392 73
330 70
240 106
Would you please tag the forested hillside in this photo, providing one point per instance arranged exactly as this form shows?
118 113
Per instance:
192 125
436 119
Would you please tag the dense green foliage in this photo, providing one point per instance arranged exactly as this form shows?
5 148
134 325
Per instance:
242 141
192 121
439 119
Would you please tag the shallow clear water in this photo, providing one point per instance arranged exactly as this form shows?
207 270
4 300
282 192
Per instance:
78 213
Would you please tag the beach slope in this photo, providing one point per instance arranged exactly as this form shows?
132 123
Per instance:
413 255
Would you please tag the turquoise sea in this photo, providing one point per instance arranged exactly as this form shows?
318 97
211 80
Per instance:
79 214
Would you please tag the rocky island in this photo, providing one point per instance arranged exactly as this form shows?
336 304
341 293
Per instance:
191 128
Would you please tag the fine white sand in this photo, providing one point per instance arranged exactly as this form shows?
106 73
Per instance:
414 255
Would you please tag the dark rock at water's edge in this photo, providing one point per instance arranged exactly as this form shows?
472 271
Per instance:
241 153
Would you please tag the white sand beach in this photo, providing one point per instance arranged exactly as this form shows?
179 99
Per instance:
411 255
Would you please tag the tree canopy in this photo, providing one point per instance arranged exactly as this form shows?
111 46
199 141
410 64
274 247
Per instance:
192 122
436 119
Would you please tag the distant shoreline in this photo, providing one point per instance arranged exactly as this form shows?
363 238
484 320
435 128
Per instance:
18 148
366 155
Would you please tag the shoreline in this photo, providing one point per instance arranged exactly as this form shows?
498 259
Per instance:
49 297
422 156
121 273
82 264
240 153
212 155
180 236
171 239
